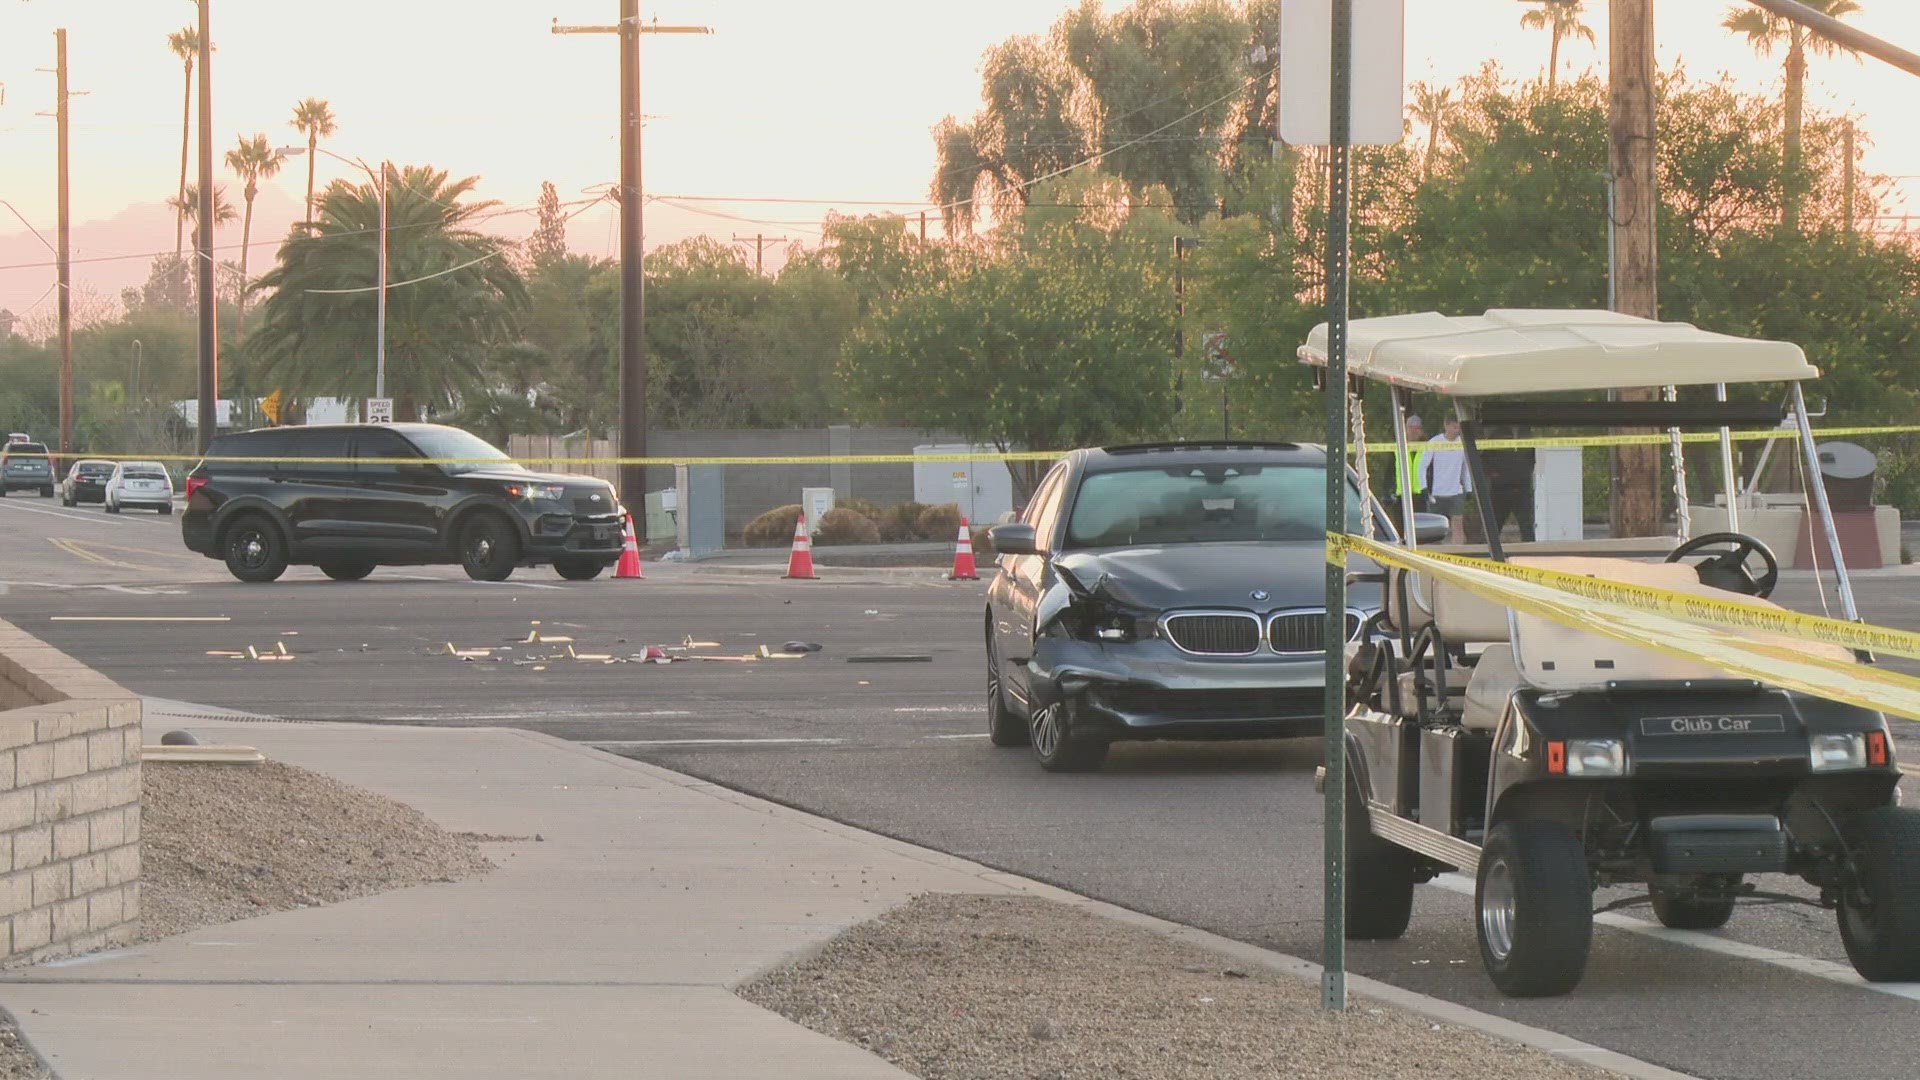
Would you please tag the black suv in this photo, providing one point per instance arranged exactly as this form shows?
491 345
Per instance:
349 497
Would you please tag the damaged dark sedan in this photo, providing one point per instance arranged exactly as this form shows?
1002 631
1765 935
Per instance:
1166 592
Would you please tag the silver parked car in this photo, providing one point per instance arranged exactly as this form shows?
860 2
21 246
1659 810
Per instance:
143 484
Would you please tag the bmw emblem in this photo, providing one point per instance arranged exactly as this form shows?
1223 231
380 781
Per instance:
593 498
1259 594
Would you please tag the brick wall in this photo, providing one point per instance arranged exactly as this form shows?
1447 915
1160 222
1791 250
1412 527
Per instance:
69 804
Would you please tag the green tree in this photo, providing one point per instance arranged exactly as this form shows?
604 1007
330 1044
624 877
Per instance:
1561 20
1766 31
252 160
452 295
314 119
188 205
185 44
1056 334
549 240
1429 108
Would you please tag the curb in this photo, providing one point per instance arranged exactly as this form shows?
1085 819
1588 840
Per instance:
1000 882
20 1033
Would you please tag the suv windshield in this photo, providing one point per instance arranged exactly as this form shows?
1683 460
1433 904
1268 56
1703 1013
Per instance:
1204 504
444 442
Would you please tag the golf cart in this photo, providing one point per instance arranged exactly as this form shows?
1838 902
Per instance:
1547 761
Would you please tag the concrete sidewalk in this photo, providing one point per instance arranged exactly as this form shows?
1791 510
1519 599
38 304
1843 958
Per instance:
608 947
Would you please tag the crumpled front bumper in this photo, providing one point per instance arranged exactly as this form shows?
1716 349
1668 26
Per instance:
1151 690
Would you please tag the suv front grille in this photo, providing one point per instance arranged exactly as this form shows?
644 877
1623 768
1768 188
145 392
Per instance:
1215 633
592 508
1304 631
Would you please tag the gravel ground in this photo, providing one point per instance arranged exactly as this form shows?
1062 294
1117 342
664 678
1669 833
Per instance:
227 842
997 988
16 1061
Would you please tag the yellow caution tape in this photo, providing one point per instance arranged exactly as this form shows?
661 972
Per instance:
1701 629
1649 439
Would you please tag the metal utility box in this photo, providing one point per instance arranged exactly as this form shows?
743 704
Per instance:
701 491
982 489
816 501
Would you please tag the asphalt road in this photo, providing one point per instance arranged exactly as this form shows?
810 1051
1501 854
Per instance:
1223 836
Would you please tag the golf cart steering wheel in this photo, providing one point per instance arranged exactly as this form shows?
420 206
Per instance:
1728 569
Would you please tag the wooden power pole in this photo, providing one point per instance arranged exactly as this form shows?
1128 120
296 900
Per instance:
64 254
209 411
759 242
1636 201
633 300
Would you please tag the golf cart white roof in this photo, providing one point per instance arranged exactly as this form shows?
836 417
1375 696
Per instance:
1516 351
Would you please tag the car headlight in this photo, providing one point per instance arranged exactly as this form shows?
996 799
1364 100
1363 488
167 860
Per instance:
1596 757
1832 753
537 492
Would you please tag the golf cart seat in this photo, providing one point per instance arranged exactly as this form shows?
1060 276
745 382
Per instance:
1489 688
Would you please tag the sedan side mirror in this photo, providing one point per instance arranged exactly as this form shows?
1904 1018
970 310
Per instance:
1431 528
1014 539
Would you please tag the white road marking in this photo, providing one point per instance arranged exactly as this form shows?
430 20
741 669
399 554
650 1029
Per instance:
130 590
602 714
1805 965
142 618
939 709
969 735
9 504
521 584
715 742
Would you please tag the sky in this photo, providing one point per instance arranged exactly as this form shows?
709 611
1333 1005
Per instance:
830 100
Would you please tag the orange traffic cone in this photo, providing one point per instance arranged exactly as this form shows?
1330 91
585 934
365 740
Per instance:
800 563
963 569
629 565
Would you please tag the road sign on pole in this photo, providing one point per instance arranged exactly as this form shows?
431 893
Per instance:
380 410
1376 96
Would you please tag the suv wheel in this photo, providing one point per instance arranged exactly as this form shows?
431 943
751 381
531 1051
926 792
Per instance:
1003 727
253 549
489 548
579 569
110 506
1880 909
1535 902
1058 746
47 492
346 571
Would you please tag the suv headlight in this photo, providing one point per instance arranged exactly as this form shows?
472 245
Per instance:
537 492
1832 753
1596 757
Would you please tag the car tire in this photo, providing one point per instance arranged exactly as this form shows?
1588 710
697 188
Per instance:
166 509
579 569
110 506
68 503
347 571
1380 879
489 548
1880 910
1534 902
1003 727
254 550
46 492
1059 748
1680 912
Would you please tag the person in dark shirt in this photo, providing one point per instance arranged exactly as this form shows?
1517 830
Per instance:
1510 482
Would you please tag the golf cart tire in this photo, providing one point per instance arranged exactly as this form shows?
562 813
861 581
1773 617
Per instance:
1883 943
1677 912
1380 879
1550 929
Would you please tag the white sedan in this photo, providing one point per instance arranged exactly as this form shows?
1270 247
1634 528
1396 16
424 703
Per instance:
142 484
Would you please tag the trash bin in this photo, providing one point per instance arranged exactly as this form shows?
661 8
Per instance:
1846 470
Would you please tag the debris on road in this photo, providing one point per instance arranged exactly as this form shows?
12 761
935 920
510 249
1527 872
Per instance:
972 986
801 647
224 844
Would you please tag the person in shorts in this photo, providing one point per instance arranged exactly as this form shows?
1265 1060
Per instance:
1443 472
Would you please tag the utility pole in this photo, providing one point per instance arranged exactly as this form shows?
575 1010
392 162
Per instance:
203 246
1636 469
759 245
1846 183
633 311
923 226
62 250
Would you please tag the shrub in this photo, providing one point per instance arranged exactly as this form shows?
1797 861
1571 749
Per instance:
863 507
982 544
900 524
773 528
843 526
940 522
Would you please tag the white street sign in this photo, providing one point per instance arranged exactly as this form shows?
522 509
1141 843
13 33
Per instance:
1379 72
380 410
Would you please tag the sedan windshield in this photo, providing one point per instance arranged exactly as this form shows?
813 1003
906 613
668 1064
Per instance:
444 442
93 472
1204 504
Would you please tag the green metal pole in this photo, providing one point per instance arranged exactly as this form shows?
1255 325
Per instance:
1333 977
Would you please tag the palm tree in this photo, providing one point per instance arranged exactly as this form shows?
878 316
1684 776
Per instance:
1562 19
253 161
452 296
314 119
187 205
1764 31
1430 107
185 44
